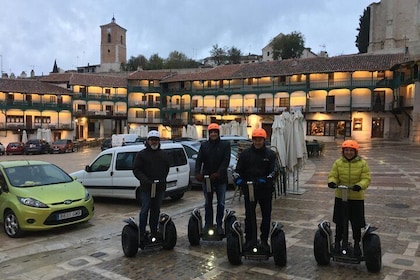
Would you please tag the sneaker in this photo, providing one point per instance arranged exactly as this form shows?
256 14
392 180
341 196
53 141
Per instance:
357 251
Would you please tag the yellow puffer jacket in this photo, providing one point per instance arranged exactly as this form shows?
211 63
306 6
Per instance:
350 173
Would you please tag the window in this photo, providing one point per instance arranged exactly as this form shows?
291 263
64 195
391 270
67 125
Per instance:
102 163
108 91
109 38
334 128
358 124
330 103
53 99
224 103
125 161
284 102
140 114
176 157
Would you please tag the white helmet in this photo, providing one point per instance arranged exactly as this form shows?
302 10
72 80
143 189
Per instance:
153 134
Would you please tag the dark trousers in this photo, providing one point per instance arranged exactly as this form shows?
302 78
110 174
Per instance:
152 205
220 190
251 219
356 216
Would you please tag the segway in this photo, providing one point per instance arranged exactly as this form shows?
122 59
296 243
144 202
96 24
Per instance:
370 245
166 237
235 241
196 231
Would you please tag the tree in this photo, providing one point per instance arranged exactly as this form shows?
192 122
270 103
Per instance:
288 46
155 62
219 55
135 63
178 60
362 39
234 55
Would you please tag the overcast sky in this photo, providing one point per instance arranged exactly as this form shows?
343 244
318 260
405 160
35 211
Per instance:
35 33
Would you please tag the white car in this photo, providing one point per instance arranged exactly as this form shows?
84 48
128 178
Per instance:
111 173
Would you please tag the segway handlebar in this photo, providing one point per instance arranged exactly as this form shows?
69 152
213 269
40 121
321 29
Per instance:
153 189
208 183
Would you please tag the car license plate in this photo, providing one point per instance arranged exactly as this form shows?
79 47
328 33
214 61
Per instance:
68 215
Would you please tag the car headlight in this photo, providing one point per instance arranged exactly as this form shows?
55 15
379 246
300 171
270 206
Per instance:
32 202
87 195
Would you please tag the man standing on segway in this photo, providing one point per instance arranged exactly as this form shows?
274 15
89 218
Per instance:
213 159
352 171
151 165
257 164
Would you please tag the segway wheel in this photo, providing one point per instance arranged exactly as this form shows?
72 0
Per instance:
278 246
170 236
233 249
129 240
193 231
228 224
322 256
372 252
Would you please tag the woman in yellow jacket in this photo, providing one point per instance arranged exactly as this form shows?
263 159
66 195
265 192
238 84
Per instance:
352 171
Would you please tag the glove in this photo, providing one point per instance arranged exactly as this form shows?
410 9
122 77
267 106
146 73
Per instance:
332 185
214 177
199 177
262 181
357 188
239 181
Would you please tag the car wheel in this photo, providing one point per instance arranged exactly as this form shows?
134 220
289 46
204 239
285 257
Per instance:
177 196
129 241
11 225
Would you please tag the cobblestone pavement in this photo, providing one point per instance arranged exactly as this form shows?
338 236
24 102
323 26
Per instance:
391 205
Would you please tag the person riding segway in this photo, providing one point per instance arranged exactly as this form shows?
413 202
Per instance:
350 177
255 172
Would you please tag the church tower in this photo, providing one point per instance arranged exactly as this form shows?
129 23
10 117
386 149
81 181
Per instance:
113 47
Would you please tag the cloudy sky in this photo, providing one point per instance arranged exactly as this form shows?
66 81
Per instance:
35 33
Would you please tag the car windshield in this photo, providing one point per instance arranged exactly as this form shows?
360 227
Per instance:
36 175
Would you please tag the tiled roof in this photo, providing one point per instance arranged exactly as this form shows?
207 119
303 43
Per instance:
87 79
345 63
151 74
31 86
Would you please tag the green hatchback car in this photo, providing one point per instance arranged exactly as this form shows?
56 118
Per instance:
37 195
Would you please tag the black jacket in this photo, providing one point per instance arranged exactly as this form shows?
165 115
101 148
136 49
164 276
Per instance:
150 165
213 157
254 164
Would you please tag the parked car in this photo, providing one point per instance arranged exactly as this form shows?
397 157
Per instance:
106 144
62 146
36 146
2 149
110 174
192 148
37 195
15 148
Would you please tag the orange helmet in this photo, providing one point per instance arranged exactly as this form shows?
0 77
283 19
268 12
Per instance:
350 144
259 132
213 126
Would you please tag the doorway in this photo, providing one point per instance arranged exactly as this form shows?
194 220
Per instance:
377 128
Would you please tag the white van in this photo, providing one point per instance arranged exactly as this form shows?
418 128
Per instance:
111 173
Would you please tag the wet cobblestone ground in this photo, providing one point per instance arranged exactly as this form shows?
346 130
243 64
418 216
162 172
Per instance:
391 205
